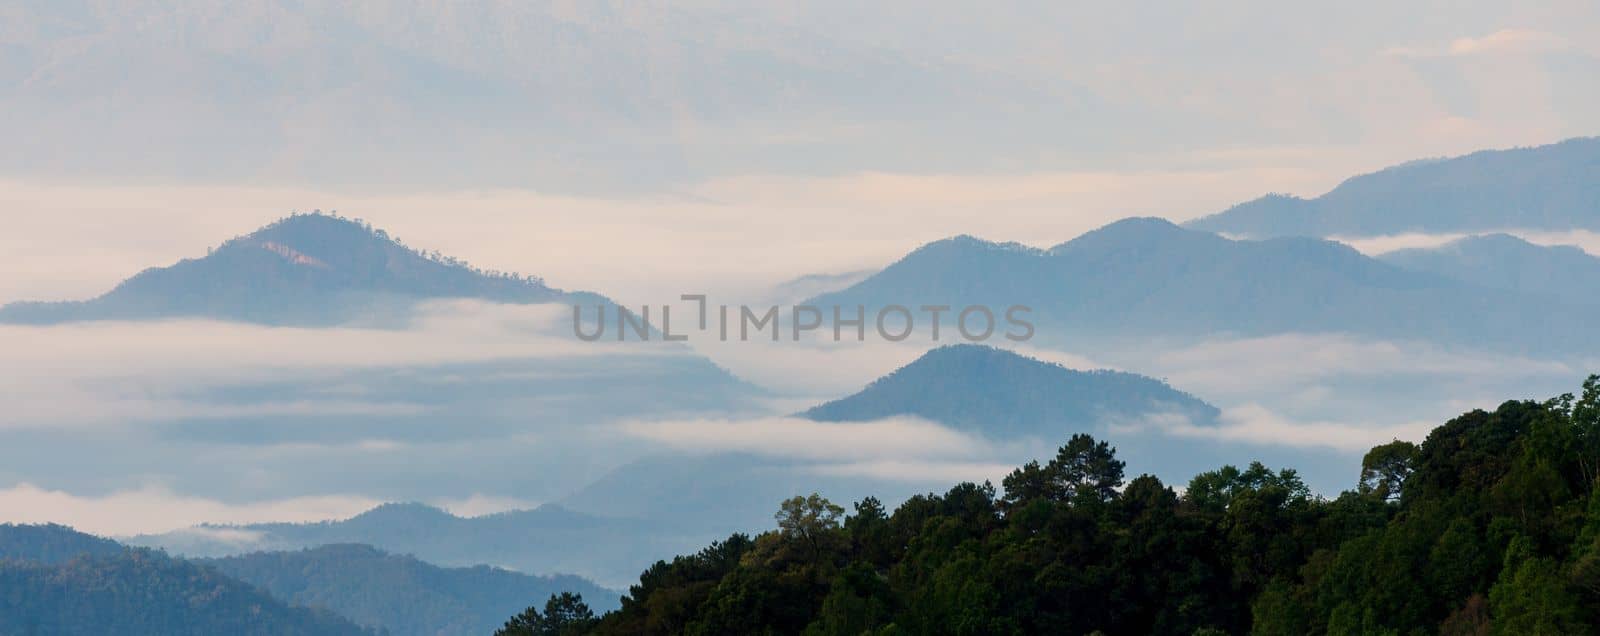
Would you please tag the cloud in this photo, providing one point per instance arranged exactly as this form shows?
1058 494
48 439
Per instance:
1510 41
153 509
1374 245
943 472
100 372
1514 41
811 370
899 449
479 504
1255 424
1274 363
798 438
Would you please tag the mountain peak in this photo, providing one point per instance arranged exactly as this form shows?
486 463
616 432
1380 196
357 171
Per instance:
1134 233
1002 394
967 243
1548 187
312 268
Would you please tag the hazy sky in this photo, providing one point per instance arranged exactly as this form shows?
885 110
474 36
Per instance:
643 148
649 149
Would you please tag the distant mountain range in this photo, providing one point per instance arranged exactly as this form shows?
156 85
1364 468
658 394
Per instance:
546 539
321 270
1149 278
103 589
992 393
1552 187
48 571
311 269
1502 261
400 594
1002 395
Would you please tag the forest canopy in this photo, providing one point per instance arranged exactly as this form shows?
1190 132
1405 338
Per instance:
1490 526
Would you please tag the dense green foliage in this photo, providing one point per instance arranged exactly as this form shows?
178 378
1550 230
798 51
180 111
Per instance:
139 592
399 593
1490 526
564 614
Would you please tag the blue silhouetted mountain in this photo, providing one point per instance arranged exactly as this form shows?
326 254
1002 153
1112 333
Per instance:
544 540
996 394
1148 278
1002 395
1502 261
1552 187
401 594
103 588
303 269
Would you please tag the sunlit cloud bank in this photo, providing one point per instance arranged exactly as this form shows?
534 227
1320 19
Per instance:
151 509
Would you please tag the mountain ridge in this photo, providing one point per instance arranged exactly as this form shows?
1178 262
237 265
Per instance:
303 269
1002 395
550 539
1149 278
401 594
1552 187
61 581
1503 261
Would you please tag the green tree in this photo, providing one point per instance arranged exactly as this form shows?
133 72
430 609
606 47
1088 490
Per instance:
1384 469
809 520
1531 599
565 614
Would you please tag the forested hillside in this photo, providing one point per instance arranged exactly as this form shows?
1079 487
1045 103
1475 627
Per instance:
51 544
399 593
1490 525
143 592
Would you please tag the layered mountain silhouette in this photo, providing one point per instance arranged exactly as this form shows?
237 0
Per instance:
546 539
1148 277
400 594
304 269
995 394
1503 261
59 581
1551 187
1001 395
